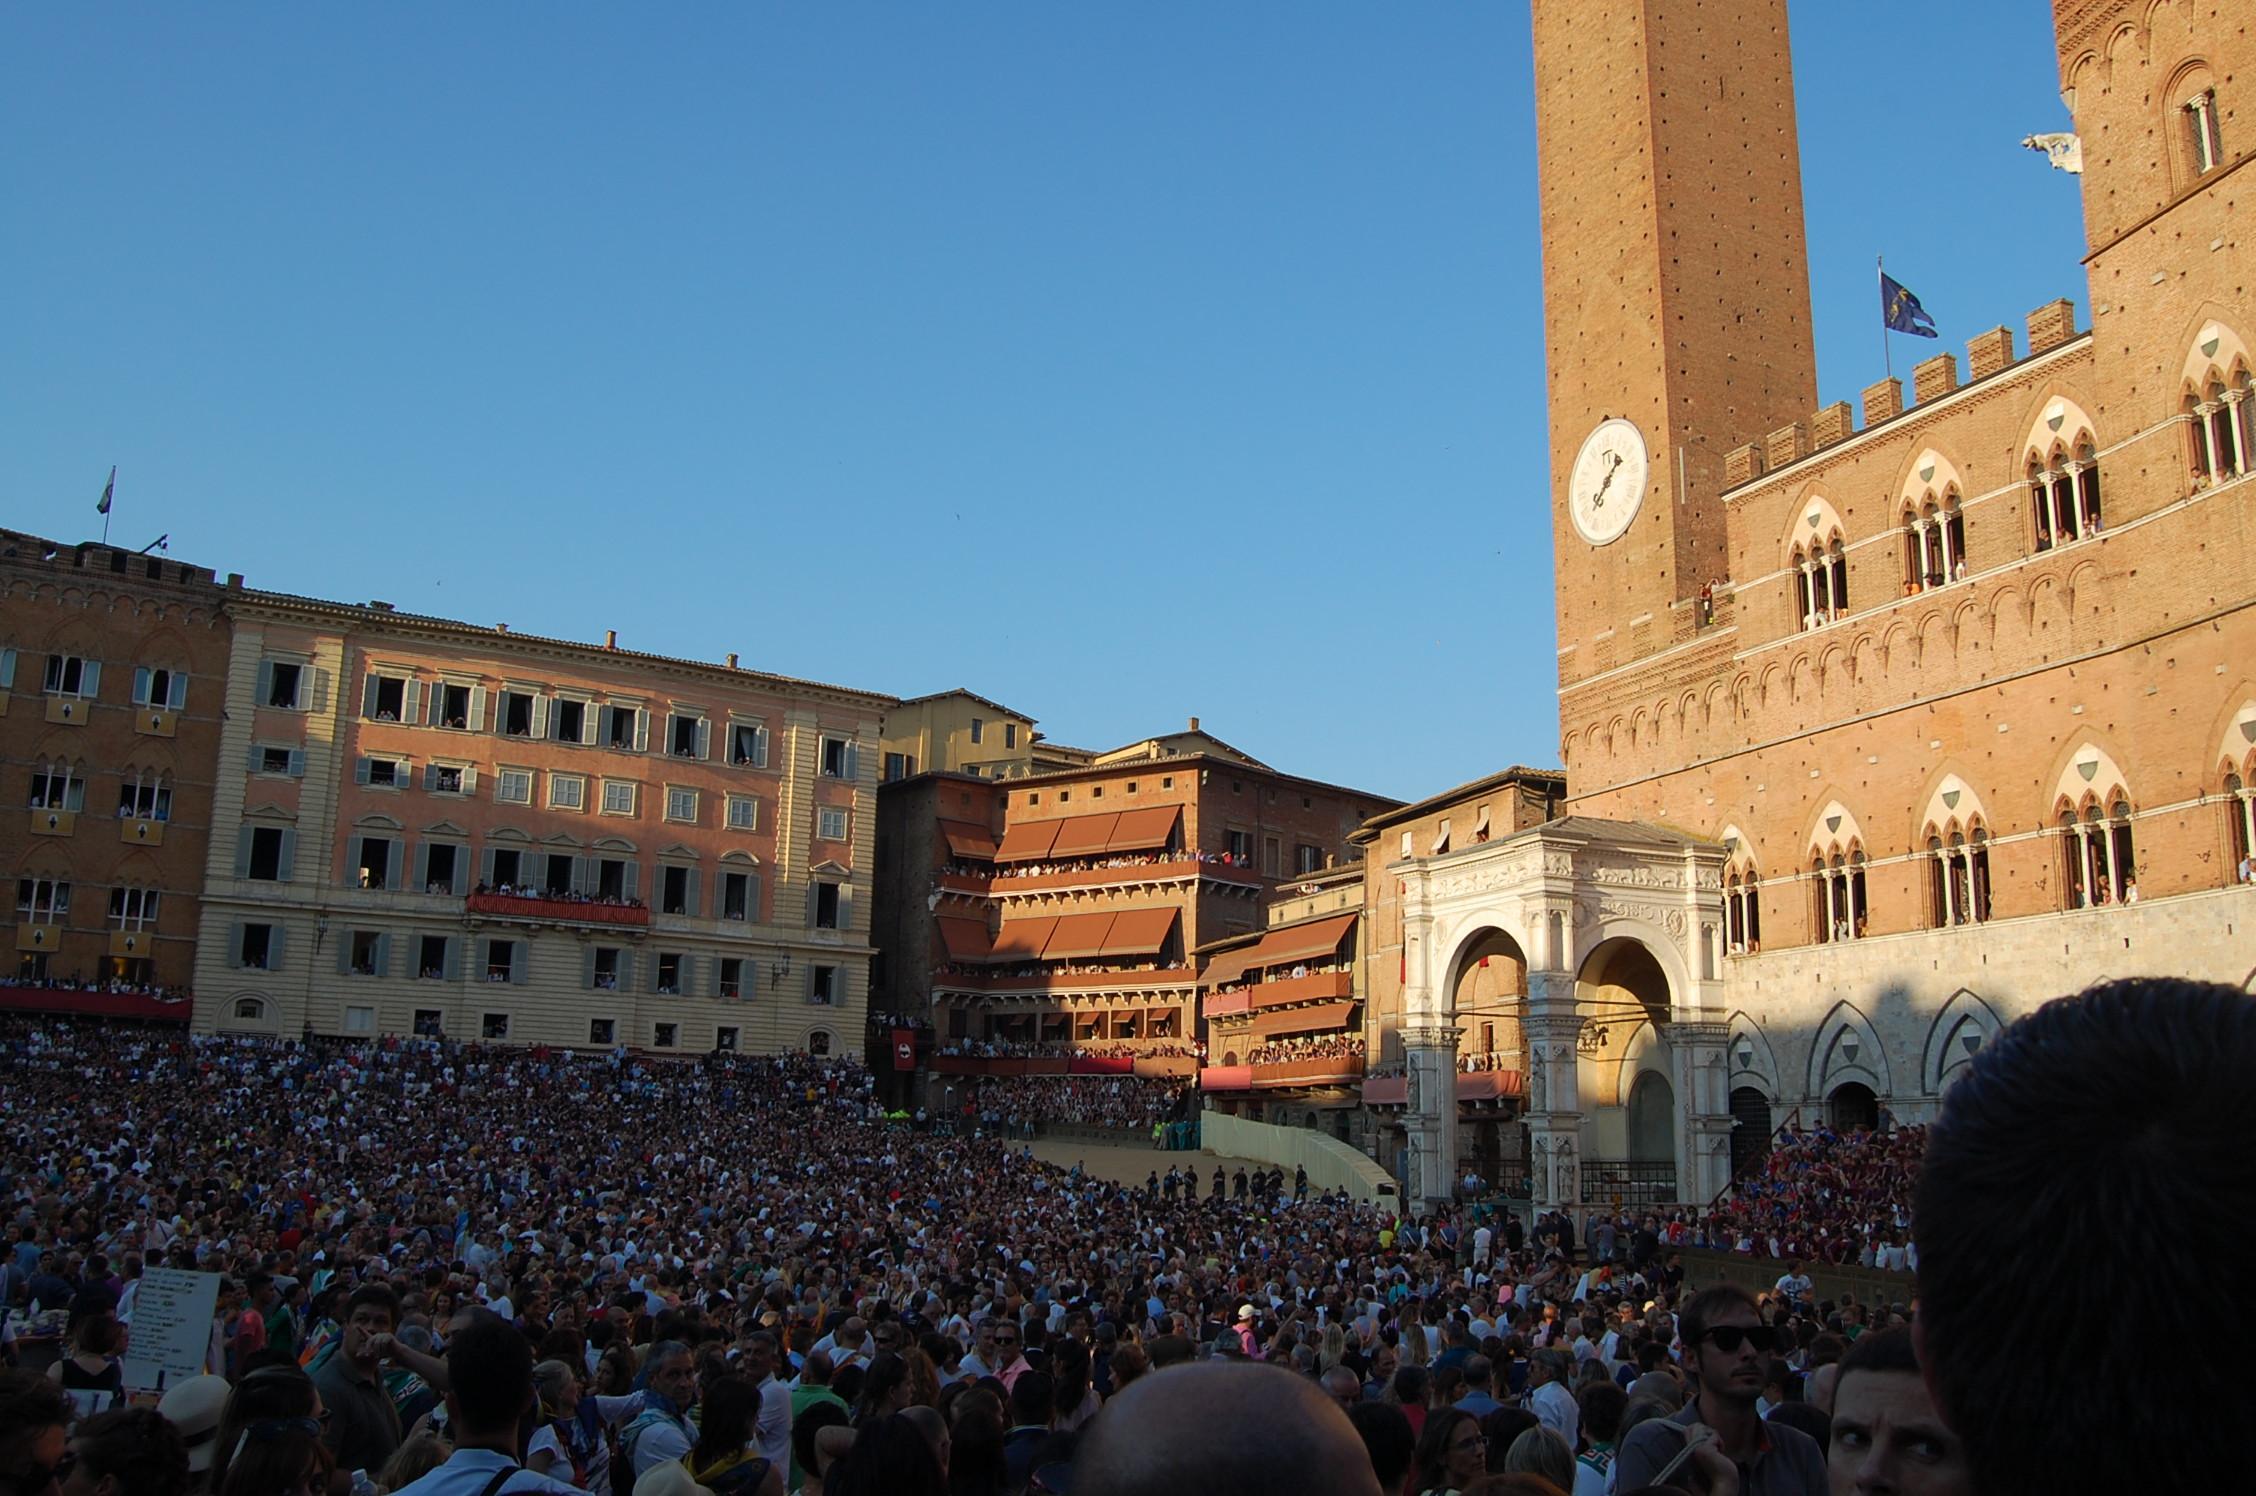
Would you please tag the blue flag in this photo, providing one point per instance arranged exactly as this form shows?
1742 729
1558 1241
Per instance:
1901 310
109 491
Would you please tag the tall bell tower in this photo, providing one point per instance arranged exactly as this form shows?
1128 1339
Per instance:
1676 297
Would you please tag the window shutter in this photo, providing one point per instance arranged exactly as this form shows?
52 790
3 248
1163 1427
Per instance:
235 944
297 763
411 704
752 897
384 955
520 962
625 973
275 944
140 683
90 679
452 961
853 761
368 696
242 870
704 737
540 716
634 881
845 906
642 729
587 968
422 867
759 747
469 781
477 708
690 904
688 980
809 919
344 954
360 771
353 846
394 857
178 696
7 669
583 875
591 723
289 856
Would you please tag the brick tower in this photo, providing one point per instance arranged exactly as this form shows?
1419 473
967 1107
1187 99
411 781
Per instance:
1676 298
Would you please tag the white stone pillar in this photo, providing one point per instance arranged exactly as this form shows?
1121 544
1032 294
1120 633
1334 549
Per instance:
2201 415
1554 1090
1703 1135
1950 890
2247 824
2114 873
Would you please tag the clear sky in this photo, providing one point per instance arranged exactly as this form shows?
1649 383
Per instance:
1120 362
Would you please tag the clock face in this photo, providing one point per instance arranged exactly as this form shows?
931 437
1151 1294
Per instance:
1608 481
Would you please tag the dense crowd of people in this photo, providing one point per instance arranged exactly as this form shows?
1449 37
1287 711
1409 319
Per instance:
1826 1195
1070 1049
451 1269
116 986
1307 1047
1016 1104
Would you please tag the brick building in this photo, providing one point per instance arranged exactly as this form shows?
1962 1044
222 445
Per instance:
1957 700
112 670
423 826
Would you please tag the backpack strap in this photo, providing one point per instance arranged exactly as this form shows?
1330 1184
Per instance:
501 1478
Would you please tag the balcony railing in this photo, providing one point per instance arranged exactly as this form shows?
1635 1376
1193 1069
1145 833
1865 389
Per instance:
1341 1071
1063 981
1171 871
534 910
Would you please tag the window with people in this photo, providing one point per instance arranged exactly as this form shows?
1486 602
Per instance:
2098 852
1742 909
1934 531
1821 580
2222 413
1958 874
2240 825
1840 911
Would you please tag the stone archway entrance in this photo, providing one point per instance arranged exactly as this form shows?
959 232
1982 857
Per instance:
1750 1131
1852 1105
1613 932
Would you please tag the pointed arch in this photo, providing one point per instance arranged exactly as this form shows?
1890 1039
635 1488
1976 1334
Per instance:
1950 804
2088 773
1966 1023
1847 1051
2058 428
1834 828
1750 1059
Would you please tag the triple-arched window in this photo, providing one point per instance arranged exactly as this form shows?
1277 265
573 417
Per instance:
1821 580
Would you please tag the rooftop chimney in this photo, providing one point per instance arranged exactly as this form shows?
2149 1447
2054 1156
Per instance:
610 638
1194 724
732 659
501 628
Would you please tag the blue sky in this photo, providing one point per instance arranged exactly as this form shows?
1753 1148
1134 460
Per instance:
1120 363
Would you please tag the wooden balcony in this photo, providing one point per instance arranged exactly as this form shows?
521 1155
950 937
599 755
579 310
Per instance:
539 911
1323 1072
996 985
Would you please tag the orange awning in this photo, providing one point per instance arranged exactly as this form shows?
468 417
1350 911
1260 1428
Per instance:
1078 937
1228 966
1305 942
965 939
1145 830
1027 841
1314 1019
1140 932
968 840
1023 939
1084 836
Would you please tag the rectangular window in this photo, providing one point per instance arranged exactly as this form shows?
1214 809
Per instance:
686 735
748 745
153 685
681 805
133 908
2201 120
516 714
56 787
42 901
557 877
277 760
1307 859
145 797
977 727
506 867
826 906
384 698
611 879
830 823
383 773
258 948
724 1039
567 792
606 969
441 865
736 896
283 680
375 869
429 1024
362 962
360 1020
1010 734
446 779
501 960
603 1030
570 721
732 976
898 766
743 813
823 987
266 854
1408 849
1271 856
662 1036
618 797
620 728
431 958
1241 847
493 1026
839 758
673 895
669 974
67 675
450 706
514 786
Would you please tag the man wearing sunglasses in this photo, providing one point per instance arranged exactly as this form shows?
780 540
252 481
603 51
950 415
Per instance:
1726 1349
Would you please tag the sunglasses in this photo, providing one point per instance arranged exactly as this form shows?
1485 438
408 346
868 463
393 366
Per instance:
1728 1338
1006 1340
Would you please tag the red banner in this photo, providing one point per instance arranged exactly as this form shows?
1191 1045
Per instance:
904 1049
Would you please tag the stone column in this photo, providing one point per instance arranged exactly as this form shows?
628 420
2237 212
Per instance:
1554 1093
1703 1140
1431 1052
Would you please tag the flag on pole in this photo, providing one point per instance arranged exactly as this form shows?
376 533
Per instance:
1901 311
108 490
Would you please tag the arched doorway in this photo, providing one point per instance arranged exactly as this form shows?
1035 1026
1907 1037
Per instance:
1488 993
1621 984
1750 1131
1852 1105
1652 1119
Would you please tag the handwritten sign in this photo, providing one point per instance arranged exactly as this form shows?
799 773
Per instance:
172 1319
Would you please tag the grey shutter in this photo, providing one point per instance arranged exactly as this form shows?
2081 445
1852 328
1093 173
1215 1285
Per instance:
297 763
242 870
430 777
411 704
251 760
422 867
624 976
451 962
687 980
642 729
633 888
264 689
752 897
853 761
583 875
845 906
704 737
177 698
587 968
395 853
353 846
477 709
235 944
141 683
344 954
486 866
384 955
368 684
520 962
690 904
274 944
591 724
540 716
289 858
360 770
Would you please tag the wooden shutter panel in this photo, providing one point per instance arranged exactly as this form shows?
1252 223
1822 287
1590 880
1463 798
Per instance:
360 771
704 737
690 904
752 897
368 685
344 954
251 760
411 704
477 709
583 875
289 858
845 906
469 781
235 944
486 866
422 866
297 763
688 978
587 968
384 955
624 976
242 870
353 847
634 880
540 716
642 729
853 761
520 962
274 945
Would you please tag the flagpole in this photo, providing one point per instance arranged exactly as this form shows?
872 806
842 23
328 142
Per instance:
1887 349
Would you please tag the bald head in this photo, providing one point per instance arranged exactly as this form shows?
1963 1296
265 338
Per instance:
1166 1434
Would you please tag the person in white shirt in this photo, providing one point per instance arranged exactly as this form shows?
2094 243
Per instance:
1794 1283
490 1372
1548 1397
1484 1241
663 1432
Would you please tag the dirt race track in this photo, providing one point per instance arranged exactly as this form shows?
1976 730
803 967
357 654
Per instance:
1128 1165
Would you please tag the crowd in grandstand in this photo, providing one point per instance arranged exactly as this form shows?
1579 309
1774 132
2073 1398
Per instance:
1055 1049
1307 1047
443 1268
1016 1104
